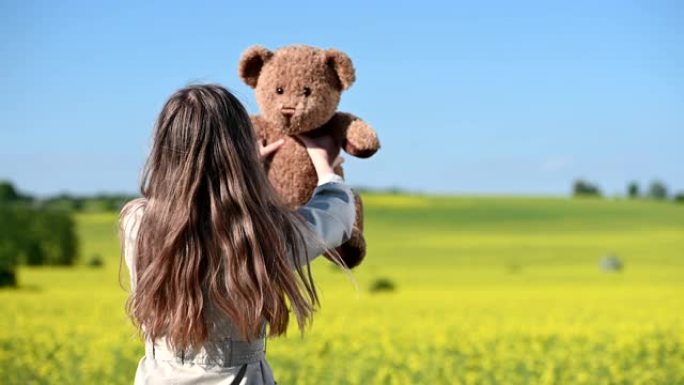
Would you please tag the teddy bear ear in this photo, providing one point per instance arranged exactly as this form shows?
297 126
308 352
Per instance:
251 62
343 67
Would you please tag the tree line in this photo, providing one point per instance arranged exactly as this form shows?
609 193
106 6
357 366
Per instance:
656 190
64 201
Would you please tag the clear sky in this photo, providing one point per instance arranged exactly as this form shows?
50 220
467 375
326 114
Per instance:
509 97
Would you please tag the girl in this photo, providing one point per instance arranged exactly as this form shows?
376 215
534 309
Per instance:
214 258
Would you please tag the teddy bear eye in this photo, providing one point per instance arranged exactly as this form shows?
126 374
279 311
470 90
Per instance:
279 90
307 91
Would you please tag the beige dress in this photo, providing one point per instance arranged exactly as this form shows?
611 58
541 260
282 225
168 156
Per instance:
225 359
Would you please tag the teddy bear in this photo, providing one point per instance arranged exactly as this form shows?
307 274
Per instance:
298 89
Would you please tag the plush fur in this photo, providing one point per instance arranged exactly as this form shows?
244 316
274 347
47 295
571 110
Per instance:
298 90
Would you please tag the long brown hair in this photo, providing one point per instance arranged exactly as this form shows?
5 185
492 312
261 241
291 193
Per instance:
213 228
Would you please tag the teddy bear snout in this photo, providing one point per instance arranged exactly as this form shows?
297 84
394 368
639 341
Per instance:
287 111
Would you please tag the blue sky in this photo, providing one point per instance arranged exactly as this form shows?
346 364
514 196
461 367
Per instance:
479 97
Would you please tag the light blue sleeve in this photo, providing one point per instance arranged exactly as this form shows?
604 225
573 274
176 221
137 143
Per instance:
330 216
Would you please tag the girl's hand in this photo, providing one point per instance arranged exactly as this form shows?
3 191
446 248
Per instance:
269 149
323 151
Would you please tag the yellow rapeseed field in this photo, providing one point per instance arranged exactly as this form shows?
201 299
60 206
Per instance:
486 291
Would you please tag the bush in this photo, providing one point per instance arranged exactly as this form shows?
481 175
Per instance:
96 261
611 263
382 285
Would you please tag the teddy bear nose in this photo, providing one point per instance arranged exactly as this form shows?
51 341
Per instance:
287 111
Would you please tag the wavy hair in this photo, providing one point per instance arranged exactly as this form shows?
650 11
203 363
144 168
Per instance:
213 228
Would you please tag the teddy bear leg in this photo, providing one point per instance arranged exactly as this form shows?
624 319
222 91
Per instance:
354 250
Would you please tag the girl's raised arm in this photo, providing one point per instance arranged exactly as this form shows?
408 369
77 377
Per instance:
330 216
330 213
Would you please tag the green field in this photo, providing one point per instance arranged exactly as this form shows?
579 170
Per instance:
488 291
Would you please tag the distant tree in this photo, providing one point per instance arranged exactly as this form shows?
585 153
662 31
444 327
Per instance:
584 188
53 240
33 234
395 190
78 204
679 197
93 203
10 245
36 236
657 190
63 201
633 189
7 192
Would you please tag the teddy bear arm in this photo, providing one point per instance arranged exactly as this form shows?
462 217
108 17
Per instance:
355 136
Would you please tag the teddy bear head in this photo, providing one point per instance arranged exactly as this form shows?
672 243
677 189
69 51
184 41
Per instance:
297 87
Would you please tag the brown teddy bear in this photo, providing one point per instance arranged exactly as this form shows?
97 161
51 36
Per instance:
298 90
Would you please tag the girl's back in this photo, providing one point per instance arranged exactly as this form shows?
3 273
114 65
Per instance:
214 257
